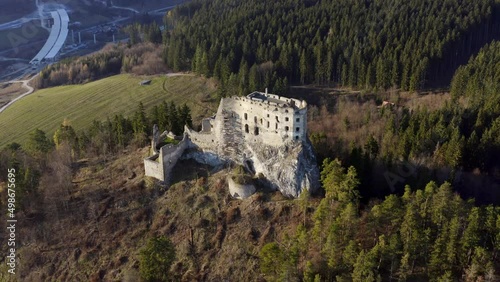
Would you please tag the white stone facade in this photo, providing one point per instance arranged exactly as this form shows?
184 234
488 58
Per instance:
268 118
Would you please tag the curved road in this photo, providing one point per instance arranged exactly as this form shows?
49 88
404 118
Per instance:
25 85
124 8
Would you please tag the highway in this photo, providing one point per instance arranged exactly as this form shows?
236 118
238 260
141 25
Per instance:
29 70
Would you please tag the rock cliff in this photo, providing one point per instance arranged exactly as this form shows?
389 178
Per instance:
290 168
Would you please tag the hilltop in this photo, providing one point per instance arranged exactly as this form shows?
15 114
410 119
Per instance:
93 231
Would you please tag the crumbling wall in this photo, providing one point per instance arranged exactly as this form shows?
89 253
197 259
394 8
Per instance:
160 165
153 167
170 154
204 141
267 122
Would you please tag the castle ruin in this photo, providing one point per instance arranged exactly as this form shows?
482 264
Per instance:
264 132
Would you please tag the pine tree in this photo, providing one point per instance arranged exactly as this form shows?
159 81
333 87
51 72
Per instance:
156 259
140 124
185 116
38 144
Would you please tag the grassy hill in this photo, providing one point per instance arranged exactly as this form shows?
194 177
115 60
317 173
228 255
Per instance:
113 210
81 104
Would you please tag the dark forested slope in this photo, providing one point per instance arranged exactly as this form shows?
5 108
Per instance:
408 44
439 136
427 235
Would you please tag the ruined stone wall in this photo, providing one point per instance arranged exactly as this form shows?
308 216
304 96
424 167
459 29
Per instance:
170 154
153 167
206 141
299 126
160 165
243 119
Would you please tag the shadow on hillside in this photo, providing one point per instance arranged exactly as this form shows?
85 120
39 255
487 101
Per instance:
379 181
187 170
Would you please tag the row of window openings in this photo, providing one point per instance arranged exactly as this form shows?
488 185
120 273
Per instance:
277 119
256 131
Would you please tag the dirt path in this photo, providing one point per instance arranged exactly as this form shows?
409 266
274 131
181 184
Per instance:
25 85
179 74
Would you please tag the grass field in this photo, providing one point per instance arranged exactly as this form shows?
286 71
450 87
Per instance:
81 104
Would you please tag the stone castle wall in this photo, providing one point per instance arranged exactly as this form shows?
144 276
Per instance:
153 167
170 154
206 141
160 165
268 122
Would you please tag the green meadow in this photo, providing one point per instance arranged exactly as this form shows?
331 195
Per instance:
46 109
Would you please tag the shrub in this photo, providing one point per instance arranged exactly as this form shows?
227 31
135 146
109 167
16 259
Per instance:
156 259
240 176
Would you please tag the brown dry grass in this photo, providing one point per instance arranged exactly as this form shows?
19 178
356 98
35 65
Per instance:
112 210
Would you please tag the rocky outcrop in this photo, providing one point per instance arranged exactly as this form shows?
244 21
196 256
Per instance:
290 168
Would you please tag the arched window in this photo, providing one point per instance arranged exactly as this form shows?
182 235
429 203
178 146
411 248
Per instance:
255 119
268 124
246 116
287 128
297 129
256 131
246 128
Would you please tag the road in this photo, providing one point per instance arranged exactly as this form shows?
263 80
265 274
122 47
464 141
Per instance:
162 10
14 59
19 22
25 85
124 8
36 16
